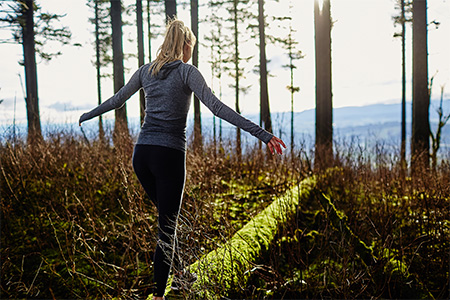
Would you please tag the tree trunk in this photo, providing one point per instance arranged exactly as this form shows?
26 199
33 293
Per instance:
149 25
101 132
436 140
292 101
420 142
237 75
266 121
171 9
324 105
403 142
140 40
121 125
29 56
197 113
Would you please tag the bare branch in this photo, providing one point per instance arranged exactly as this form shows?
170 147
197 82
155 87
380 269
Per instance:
7 41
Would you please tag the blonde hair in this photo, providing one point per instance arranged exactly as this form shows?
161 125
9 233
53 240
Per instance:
177 34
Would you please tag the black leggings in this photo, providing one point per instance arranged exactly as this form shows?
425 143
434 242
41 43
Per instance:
161 171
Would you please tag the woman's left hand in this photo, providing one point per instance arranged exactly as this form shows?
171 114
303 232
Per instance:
275 145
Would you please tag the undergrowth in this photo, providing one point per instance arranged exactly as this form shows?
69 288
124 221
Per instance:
75 222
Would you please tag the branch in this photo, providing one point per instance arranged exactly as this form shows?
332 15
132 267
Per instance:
9 26
8 41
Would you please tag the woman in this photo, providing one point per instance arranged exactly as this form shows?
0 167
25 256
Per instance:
159 154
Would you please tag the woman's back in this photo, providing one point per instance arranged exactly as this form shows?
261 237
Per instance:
167 102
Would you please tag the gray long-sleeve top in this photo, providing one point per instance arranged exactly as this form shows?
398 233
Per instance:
167 102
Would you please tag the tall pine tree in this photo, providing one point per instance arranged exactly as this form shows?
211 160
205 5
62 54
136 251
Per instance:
33 37
197 113
290 45
238 10
121 123
402 19
266 121
102 31
29 61
420 141
171 9
324 105
141 54
216 61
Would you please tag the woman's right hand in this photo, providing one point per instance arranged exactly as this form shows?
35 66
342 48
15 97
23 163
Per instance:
82 119
275 145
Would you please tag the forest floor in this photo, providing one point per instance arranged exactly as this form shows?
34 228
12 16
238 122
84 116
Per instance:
75 223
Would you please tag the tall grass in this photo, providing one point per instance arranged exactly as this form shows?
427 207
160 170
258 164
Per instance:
405 221
75 222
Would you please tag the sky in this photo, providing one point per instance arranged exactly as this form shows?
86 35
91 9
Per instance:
366 60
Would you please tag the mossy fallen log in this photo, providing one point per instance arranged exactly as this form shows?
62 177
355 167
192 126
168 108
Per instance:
228 267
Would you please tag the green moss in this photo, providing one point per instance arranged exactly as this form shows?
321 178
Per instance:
228 267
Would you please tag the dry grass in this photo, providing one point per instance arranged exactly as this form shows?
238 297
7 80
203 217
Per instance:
76 224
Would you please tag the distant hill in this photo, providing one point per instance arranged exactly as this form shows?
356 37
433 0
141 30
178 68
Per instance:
368 124
378 122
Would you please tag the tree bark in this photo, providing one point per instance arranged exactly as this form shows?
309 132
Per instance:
171 9
121 124
197 113
403 132
29 56
420 142
266 121
140 40
149 25
237 75
101 132
324 105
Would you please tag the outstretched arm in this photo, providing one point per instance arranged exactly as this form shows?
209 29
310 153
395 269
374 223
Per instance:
197 84
116 101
